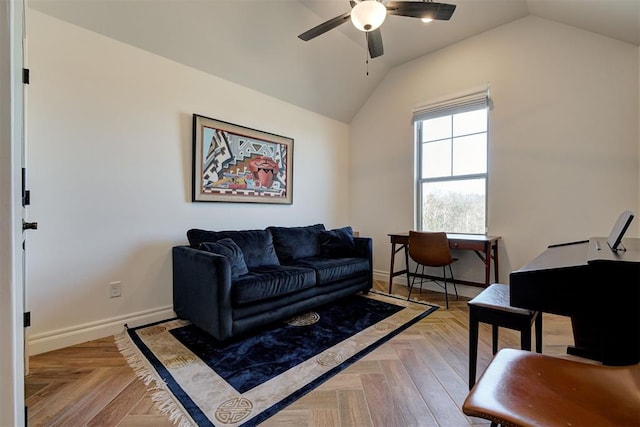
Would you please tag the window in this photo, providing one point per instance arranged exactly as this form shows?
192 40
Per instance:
451 165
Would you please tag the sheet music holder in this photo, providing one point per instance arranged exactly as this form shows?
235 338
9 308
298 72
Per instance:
619 228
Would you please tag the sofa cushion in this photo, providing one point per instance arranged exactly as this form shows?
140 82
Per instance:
337 243
329 270
233 253
270 281
292 243
256 245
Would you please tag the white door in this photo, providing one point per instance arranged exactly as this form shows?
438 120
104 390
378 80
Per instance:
26 195
11 213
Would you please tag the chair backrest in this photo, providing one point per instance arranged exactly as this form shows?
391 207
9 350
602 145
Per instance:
429 248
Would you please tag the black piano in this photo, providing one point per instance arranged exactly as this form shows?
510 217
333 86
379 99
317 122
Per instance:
597 287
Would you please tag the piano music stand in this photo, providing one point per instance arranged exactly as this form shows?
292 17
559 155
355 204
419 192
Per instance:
617 232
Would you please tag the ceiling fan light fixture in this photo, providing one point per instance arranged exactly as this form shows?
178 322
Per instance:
368 15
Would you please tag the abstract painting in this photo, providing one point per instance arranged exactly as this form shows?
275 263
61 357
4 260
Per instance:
233 163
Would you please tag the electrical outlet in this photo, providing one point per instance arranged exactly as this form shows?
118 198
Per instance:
115 289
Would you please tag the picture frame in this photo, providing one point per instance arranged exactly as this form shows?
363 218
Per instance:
236 164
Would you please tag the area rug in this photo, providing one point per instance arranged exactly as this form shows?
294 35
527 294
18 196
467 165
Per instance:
201 381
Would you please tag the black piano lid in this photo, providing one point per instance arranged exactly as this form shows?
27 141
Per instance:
559 257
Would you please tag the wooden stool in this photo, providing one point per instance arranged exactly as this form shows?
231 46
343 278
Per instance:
492 306
520 388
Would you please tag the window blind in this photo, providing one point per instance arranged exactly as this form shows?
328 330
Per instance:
459 104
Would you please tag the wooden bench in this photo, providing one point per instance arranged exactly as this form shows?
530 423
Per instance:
521 388
492 306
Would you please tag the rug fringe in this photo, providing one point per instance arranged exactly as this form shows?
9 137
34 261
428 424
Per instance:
161 396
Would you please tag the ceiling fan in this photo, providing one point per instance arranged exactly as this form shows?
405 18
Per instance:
368 16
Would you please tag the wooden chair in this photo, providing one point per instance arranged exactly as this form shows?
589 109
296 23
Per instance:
492 307
520 388
431 250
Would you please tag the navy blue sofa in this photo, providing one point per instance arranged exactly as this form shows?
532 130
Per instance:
229 283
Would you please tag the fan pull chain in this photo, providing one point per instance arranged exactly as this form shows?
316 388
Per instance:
366 49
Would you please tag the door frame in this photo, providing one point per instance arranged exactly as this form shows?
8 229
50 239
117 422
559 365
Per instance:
12 409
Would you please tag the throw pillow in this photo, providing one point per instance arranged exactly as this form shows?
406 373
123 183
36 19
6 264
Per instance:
337 243
233 253
256 245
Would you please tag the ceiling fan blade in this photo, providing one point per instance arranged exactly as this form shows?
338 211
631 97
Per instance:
421 9
325 26
374 40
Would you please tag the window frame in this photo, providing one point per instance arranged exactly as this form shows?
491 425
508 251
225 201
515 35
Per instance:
470 102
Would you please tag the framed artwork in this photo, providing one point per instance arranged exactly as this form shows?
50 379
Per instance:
232 163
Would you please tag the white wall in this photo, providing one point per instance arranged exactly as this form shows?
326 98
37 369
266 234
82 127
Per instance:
110 173
564 149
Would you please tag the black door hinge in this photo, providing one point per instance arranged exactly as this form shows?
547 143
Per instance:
27 319
25 76
26 195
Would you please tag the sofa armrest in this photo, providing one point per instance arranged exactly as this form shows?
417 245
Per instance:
364 246
202 290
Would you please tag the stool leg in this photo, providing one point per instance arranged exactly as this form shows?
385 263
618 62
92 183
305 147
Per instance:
494 338
473 346
538 328
525 338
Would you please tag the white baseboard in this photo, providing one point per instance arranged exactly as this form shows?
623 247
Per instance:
53 340
463 290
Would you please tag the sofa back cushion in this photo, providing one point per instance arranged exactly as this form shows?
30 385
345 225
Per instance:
292 243
256 245
233 253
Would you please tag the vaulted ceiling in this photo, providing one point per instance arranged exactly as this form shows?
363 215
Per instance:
254 42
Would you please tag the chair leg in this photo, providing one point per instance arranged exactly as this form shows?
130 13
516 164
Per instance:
412 282
494 339
421 279
455 288
446 294
538 328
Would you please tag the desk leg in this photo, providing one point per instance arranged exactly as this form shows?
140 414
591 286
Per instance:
406 264
495 261
487 263
393 257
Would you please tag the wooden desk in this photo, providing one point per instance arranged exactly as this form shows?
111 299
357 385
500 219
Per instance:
486 247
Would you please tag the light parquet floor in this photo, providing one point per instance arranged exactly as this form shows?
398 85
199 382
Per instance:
418 378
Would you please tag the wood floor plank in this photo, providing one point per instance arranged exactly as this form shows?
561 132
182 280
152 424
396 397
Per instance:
91 401
290 418
445 410
406 396
379 399
146 421
353 409
116 410
325 417
317 399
